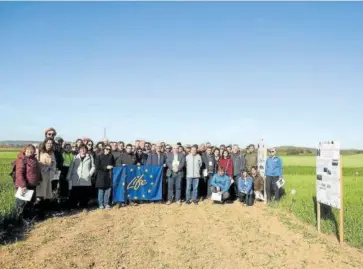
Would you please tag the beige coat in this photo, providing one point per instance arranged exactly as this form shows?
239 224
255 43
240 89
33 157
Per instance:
80 172
47 165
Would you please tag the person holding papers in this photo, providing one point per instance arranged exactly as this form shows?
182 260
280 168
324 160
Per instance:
273 172
27 175
258 183
175 162
193 166
245 188
220 184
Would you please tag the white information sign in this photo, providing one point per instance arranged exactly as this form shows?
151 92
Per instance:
328 174
261 157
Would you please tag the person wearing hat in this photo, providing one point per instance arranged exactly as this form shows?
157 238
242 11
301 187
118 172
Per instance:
59 141
273 172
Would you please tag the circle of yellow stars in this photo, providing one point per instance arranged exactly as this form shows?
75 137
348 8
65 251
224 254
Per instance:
149 190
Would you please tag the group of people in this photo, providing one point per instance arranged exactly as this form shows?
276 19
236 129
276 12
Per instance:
73 173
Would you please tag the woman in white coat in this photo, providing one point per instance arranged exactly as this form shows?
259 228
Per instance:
80 178
48 168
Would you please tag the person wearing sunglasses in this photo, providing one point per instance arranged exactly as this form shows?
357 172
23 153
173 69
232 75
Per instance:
99 148
167 149
104 164
89 144
140 157
273 172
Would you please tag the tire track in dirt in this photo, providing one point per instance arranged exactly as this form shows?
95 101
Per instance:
188 236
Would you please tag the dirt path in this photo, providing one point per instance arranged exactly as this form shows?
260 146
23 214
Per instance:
182 237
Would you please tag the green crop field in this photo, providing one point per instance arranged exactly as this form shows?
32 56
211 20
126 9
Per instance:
7 201
299 172
351 161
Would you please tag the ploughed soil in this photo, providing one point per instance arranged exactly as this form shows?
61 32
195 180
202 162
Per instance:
188 236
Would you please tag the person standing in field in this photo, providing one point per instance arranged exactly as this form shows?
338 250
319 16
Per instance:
220 184
121 146
258 183
239 164
193 164
79 143
209 166
273 172
74 148
80 175
251 158
221 149
104 164
157 157
89 143
227 163
217 157
116 153
27 176
127 158
229 149
140 157
67 160
175 162
48 168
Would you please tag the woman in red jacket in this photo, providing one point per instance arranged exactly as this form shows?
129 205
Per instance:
27 175
227 163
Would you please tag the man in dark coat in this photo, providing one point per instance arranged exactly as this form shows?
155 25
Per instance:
157 157
104 164
127 158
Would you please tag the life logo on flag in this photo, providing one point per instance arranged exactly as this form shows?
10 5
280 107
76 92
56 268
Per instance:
136 183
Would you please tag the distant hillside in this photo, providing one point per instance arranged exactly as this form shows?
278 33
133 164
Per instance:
282 150
292 150
16 143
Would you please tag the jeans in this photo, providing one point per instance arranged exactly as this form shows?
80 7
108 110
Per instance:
192 181
271 188
104 196
246 198
234 188
174 181
208 181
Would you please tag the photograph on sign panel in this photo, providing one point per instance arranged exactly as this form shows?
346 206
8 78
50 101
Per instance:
335 162
319 177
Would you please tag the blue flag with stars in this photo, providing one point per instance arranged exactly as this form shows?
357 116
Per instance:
135 182
119 184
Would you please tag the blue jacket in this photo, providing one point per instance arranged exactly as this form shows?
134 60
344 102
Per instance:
222 182
273 167
245 186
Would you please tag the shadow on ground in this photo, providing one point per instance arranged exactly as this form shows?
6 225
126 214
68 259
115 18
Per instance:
326 213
